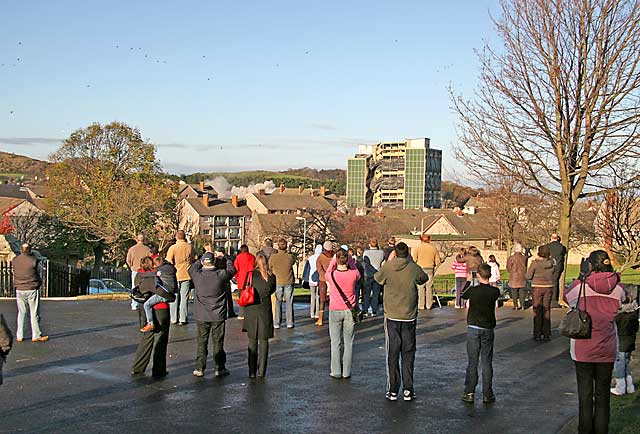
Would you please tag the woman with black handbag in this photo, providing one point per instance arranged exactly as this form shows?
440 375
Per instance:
600 294
342 278
258 317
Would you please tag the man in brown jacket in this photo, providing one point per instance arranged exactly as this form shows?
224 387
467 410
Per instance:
427 257
181 255
134 255
517 268
26 280
281 263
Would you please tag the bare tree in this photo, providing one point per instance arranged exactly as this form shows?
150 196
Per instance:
619 223
557 104
34 227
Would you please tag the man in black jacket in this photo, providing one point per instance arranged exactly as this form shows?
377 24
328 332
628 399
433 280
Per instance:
558 253
210 276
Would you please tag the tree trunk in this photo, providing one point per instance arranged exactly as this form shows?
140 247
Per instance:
564 230
98 254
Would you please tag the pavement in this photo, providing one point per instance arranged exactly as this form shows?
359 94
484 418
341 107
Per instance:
79 381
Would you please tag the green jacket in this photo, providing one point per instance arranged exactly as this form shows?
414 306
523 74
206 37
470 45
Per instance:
400 277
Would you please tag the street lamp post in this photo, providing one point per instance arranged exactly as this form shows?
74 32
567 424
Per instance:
304 236
422 225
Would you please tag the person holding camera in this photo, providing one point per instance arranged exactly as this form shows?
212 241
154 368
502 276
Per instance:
210 277
481 322
594 357
541 275
342 278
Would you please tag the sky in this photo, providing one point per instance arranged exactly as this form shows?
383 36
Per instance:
240 85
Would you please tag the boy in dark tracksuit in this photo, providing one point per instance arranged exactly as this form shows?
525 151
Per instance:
481 320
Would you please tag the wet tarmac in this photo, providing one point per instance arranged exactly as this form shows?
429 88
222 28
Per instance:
79 381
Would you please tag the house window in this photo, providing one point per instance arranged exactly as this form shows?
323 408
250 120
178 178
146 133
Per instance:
206 232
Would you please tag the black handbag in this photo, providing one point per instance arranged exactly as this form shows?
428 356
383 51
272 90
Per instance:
577 323
355 311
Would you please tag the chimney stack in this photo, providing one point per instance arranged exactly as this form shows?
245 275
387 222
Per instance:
323 191
201 185
282 188
234 201
205 199
261 192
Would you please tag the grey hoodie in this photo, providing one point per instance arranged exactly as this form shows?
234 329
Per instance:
400 277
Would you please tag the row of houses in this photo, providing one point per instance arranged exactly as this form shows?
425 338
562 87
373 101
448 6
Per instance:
230 222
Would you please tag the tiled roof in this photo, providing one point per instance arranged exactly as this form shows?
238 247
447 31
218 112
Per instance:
14 191
282 202
476 225
7 203
219 207
273 224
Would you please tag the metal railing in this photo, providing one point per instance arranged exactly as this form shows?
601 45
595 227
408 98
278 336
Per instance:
58 280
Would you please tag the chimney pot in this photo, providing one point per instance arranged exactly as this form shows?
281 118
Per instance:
261 192
282 188
323 191
300 188
234 201
201 185
205 199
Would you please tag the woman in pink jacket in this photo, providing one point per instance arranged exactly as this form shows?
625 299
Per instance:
342 273
460 271
594 357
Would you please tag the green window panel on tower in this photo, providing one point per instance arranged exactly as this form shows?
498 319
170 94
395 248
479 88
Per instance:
414 184
356 182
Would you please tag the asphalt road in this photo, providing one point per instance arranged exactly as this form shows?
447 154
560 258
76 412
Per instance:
79 381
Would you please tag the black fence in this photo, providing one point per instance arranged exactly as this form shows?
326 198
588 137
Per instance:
6 280
58 280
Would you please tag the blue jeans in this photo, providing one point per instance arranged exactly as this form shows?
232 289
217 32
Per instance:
148 306
182 298
621 366
371 295
341 333
284 293
479 347
28 300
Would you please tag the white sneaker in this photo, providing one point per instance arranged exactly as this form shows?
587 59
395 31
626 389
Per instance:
630 387
620 389
408 395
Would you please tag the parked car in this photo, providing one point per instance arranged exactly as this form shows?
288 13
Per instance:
106 286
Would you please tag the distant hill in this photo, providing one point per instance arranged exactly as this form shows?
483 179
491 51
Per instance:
14 166
334 180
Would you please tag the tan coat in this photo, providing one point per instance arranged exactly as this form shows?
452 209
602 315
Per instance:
281 264
135 254
181 255
426 255
517 268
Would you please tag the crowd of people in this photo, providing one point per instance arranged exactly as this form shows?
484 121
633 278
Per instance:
348 283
